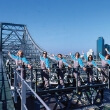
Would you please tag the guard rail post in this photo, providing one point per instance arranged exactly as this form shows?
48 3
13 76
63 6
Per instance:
36 81
15 85
23 95
31 78
108 77
77 83
11 71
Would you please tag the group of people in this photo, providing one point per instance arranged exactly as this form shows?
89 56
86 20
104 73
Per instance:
77 64
21 62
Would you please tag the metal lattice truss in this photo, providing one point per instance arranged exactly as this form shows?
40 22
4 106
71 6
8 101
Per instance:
16 37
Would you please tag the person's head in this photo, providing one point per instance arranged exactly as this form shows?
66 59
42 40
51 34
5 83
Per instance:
77 55
20 53
90 58
107 56
59 55
44 54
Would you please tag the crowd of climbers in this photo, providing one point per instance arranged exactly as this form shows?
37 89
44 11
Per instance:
21 62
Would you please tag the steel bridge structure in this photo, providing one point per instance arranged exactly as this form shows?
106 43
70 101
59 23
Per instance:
14 37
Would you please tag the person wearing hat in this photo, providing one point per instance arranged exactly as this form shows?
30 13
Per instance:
45 69
21 62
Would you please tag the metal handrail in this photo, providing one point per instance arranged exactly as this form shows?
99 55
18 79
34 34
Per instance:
23 93
36 45
97 75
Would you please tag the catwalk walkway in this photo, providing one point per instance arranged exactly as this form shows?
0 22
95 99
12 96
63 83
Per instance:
6 102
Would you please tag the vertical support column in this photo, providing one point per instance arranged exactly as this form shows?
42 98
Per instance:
31 78
77 83
36 83
97 75
24 41
11 72
23 95
0 37
108 77
15 85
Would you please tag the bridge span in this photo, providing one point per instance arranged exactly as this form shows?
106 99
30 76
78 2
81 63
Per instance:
32 95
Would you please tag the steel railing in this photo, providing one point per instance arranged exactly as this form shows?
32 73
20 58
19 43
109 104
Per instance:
25 86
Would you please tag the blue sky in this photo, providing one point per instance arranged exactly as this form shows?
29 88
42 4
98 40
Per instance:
61 26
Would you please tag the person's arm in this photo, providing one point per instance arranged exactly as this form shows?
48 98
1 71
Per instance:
56 58
101 56
107 51
41 58
81 64
72 56
64 61
95 65
12 56
26 62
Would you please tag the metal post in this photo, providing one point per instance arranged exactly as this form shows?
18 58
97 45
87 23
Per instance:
9 67
23 95
97 75
49 78
0 37
31 79
11 71
108 77
36 81
77 83
15 85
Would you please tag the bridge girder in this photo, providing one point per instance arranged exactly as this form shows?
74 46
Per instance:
14 37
